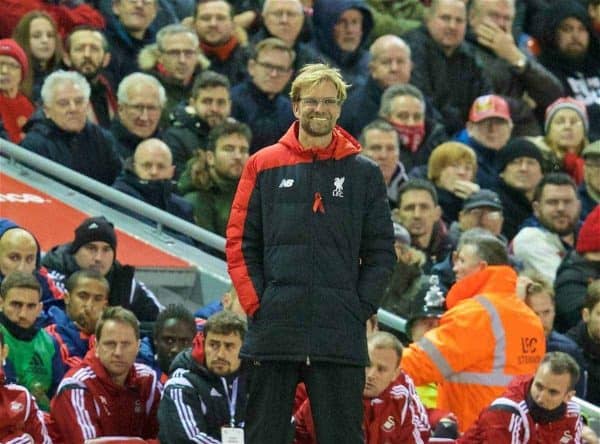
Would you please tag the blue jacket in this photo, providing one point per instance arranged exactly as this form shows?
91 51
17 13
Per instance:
487 173
68 336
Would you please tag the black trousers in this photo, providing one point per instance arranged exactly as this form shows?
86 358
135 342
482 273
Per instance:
335 393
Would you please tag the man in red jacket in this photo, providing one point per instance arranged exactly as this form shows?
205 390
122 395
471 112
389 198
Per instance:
534 409
108 394
20 420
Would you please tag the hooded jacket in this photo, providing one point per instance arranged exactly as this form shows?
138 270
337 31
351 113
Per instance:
310 249
127 141
509 421
353 65
591 354
486 337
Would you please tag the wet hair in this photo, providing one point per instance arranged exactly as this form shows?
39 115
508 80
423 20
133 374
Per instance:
225 323
558 179
74 278
561 363
418 184
19 279
118 314
174 311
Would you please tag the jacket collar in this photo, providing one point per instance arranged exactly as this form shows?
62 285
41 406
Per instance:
493 278
342 144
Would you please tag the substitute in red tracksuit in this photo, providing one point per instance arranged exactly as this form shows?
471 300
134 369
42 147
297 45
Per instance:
533 410
20 419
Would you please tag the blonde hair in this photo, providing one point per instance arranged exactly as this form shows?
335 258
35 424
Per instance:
314 74
446 154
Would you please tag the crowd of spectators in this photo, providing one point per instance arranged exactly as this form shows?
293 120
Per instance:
482 116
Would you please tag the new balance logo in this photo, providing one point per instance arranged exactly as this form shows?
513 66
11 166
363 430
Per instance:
286 183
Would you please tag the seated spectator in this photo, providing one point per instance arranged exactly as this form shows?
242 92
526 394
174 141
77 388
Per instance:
390 64
419 211
37 34
214 25
576 270
565 135
20 251
539 296
226 154
147 177
533 409
205 398
488 130
392 410
451 168
87 52
587 336
379 142
175 59
445 68
589 190
259 101
128 30
570 49
20 419
208 106
519 166
341 33
34 356
62 133
95 247
550 233
108 394
15 106
522 81
404 107
174 331
482 304
141 100
86 296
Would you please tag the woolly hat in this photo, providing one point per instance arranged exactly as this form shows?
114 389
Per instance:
9 47
588 238
515 148
94 229
488 106
566 103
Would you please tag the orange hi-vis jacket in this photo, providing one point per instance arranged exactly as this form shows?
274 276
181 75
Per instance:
486 337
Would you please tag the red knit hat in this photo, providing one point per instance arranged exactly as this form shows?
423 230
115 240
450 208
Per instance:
589 235
9 47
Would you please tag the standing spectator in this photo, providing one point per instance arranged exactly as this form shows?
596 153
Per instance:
534 409
215 28
64 134
37 34
472 373
519 166
259 101
379 141
577 269
15 106
313 326
108 394
87 52
445 68
141 100
551 233
589 190
571 51
206 394
518 78
95 247
127 32
341 33
34 356
208 106
20 419
488 130
226 156
587 335
175 59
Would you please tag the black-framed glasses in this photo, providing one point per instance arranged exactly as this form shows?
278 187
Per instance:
313 102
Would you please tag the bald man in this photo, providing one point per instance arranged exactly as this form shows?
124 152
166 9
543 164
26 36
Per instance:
147 177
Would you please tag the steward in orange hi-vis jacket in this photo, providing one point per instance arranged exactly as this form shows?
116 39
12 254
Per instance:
486 337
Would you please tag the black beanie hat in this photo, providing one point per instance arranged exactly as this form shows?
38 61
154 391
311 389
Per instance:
94 229
515 148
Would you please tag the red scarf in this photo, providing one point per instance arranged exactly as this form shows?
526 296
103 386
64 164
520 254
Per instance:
222 52
411 136
14 113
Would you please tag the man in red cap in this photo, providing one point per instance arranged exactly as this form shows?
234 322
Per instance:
15 107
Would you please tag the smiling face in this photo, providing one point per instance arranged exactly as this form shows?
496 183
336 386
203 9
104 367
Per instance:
319 120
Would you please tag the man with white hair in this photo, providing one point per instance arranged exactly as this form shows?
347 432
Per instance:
62 132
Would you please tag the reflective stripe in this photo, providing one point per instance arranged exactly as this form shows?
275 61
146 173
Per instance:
437 358
481 378
497 331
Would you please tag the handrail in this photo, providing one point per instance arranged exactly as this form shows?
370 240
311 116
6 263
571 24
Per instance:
64 174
